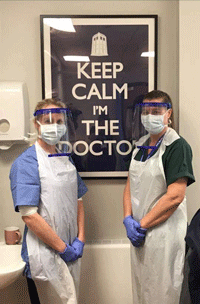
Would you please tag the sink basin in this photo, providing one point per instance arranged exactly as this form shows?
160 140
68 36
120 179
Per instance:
11 264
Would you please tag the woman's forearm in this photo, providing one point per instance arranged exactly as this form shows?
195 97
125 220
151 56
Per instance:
80 221
127 206
166 206
159 220
44 232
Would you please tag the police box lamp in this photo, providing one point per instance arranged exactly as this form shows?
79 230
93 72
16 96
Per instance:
14 114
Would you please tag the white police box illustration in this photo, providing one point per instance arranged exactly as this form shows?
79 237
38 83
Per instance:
99 45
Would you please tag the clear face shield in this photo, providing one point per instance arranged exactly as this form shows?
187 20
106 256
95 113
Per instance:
56 127
149 118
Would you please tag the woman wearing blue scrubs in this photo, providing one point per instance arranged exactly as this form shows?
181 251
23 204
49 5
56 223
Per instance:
47 190
155 214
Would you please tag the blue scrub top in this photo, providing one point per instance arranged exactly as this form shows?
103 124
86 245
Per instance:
25 180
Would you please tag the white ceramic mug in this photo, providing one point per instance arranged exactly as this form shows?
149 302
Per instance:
12 235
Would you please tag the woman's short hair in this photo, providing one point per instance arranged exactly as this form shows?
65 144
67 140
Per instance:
49 101
156 94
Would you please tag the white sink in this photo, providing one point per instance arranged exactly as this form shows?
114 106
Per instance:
11 264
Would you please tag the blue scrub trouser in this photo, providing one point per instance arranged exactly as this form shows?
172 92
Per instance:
32 292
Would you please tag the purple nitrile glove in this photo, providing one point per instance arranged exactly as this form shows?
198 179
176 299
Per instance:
72 252
135 233
78 247
69 255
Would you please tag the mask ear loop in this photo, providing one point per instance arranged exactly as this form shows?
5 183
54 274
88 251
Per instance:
39 136
169 120
32 136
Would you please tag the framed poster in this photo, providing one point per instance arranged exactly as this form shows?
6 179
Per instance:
100 67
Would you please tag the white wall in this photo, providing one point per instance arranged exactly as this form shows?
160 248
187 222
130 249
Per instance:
20 61
189 90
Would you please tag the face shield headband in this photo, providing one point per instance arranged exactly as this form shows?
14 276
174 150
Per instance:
52 110
164 105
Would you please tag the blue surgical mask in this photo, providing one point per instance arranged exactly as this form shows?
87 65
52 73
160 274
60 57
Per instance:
52 133
154 124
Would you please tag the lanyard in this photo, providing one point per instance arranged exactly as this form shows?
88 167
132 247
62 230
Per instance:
153 148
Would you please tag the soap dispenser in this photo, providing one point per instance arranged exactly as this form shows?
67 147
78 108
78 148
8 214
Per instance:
14 113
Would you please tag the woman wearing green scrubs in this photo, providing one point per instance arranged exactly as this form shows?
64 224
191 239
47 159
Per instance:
155 214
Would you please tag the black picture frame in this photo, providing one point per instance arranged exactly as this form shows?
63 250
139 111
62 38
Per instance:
102 90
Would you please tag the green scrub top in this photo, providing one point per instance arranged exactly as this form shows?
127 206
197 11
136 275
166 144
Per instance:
177 161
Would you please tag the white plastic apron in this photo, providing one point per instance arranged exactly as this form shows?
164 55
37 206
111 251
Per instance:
56 282
157 266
